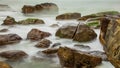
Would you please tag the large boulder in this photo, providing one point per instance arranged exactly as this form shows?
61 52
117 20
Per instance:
28 9
9 21
68 16
73 59
44 43
9 39
13 55
36 35
81 33
110 38
4 65
31 21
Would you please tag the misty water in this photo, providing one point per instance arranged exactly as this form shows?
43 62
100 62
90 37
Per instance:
82 6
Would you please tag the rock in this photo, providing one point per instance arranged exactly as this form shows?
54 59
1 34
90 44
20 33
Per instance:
36 35
81 33
4 7
85 47
4 65
50 51
54 25
99 54
110 38
73 59
9 39
99 14
56 44
66 31
13 55
84 34
94 24
68 16
31 21
9 21
3 30
28 9
44 43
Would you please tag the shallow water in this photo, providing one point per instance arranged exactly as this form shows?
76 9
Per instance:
82 6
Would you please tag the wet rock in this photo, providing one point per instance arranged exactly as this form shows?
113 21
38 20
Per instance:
9 39
84 34
99 54
50 51
110 38
4 7
36 35
85 47
44 43
66 31
93 24
31 21
73 59
4 65
28 9
3 30
99 14
54 25
56 44
68 16
13 55
9 21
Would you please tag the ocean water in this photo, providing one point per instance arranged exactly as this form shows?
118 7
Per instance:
82 6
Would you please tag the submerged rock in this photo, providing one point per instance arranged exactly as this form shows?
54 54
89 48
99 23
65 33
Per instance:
55 45
68 16
28 9
31 21
9 21
44 43
81 33
72 59
3 30
9 39
4 65
85 47
13 55
50 51
36 35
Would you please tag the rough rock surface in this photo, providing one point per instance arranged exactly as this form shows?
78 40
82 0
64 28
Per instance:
110 38
13 55
73 59
9 39
36 35
4 65
68 16
28 9
44 43
81 33
9 21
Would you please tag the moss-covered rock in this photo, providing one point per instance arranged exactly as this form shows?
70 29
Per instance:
93 24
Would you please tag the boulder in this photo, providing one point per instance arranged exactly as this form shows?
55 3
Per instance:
68 16
110 38
9 39
81 33
13 55
9 21
73 59
44 43
4 65
36 35
28 9
50 51
31 21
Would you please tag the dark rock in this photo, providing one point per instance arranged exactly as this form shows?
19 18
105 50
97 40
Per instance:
73 59
99 54
9 39
31 21
4 65
50 51
54 25
36 35
3 30
68 16
38 7
84 34
28 9
56 44
66 31
13 55
9 21
82 46
44 43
